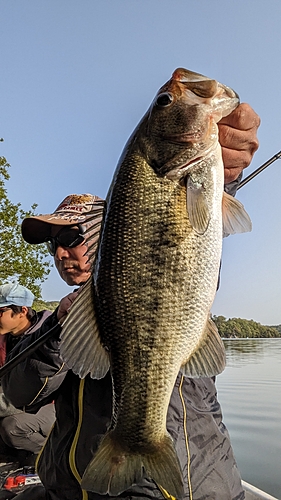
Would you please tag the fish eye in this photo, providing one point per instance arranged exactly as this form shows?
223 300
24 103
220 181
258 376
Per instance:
164 99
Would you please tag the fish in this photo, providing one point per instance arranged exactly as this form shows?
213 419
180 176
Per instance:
145 313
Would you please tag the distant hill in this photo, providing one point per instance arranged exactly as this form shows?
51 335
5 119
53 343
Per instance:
243 328
40 305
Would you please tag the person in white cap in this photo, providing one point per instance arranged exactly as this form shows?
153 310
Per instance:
83 407
22 433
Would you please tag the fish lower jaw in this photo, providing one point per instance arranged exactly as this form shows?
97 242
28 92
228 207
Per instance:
180 172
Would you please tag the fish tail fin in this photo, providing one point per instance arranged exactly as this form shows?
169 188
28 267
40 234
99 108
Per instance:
114 469
164 468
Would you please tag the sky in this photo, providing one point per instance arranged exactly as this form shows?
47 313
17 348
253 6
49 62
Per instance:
77 77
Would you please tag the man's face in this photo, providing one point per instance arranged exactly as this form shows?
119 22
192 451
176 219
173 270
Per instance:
11 322
71 263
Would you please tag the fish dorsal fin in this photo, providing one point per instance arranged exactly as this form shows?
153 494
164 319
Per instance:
208 359
197 208
92 228
234 216
80 346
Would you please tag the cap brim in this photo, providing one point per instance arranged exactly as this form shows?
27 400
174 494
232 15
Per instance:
37 229
5 304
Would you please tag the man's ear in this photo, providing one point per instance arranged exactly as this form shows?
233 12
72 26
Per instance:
24 310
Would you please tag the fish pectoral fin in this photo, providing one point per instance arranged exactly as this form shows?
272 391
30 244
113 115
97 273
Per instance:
208 359
197 208
80 346
234 216
115 469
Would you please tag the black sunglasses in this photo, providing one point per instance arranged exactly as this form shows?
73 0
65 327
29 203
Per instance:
67 237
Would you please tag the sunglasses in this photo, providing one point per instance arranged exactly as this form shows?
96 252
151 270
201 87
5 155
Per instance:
4 309
68 237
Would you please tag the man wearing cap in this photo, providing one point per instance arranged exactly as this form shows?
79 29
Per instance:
63 232
22 433
83 407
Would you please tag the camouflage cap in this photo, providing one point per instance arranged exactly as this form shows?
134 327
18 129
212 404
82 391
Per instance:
74 209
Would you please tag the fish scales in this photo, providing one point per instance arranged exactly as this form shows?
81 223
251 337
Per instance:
155 278
157 261
162 271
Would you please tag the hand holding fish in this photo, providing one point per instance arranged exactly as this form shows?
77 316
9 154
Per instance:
238 139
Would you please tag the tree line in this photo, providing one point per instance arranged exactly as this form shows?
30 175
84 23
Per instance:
42 305
28 264
244 328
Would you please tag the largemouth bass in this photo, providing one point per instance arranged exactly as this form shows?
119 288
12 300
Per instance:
146 312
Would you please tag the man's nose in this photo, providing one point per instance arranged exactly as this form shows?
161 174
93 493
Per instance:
62 253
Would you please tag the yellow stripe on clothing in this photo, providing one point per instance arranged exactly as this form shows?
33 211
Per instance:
75 440
165 493
186 439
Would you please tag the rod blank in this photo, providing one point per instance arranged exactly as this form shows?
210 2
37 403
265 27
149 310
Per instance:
260 169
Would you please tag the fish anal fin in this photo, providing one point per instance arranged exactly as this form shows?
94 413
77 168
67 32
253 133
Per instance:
114 469
197 208
80 346
208 359
234 216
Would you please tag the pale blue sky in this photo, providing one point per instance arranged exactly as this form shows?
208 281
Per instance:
77 76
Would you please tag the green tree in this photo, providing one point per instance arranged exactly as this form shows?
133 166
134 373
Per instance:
18 259
243 328
40 305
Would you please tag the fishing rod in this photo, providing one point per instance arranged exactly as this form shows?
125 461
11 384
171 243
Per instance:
260 169
21 356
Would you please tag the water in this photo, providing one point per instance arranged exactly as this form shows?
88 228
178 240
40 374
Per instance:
249 391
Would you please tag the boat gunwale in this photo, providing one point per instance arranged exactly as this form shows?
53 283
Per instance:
256 492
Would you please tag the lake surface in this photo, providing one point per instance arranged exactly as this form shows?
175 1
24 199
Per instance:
249 391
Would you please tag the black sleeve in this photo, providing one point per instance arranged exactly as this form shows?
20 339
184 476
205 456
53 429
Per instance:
232 187
32 382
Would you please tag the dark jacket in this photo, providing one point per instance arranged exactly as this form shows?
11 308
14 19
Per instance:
33 382
8 342
83 409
